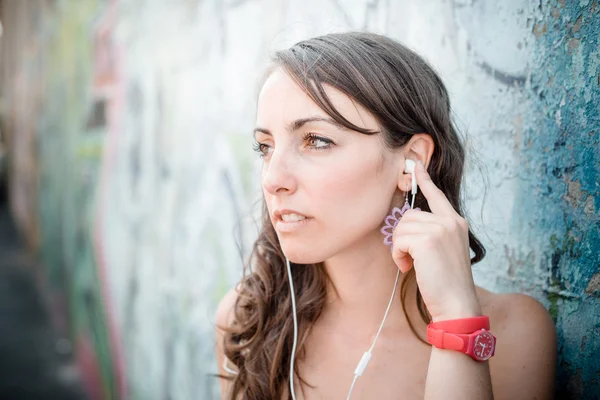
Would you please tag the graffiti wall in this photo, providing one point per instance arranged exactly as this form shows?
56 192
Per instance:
55 141
130 127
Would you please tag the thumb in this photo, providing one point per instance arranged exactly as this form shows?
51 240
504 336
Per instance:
402 259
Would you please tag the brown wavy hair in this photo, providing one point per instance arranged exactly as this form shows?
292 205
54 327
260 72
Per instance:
407 97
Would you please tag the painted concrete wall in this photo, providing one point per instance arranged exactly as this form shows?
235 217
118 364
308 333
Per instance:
559 185
145 120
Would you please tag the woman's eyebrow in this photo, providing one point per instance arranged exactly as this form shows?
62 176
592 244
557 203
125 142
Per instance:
297 124
263 130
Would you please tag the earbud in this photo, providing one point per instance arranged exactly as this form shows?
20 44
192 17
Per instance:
410 168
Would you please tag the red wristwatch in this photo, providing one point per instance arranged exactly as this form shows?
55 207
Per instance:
467 335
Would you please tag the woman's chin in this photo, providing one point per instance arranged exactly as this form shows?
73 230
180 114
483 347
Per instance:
301 254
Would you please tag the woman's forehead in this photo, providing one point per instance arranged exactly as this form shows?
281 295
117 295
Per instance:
282 100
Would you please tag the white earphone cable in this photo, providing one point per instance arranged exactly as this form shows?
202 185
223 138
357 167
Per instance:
364 361
366 356
293 356
386 311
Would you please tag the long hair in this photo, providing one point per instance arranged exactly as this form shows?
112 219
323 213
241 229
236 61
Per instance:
406 96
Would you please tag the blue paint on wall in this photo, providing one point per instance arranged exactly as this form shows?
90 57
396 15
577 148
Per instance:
559 200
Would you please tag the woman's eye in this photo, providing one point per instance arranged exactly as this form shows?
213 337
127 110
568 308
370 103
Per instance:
317 142
261 148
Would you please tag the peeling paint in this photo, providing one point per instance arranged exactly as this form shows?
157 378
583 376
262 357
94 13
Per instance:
593 287
540 29
566 154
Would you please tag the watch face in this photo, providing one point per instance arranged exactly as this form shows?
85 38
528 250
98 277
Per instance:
484 346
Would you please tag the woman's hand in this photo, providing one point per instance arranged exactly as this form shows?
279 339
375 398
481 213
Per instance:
437 245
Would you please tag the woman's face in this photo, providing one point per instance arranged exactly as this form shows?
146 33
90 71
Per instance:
327 188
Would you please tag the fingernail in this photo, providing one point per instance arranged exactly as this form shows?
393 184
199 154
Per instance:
420 163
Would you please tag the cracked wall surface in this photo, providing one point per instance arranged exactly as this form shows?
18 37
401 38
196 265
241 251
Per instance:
560 183
147 115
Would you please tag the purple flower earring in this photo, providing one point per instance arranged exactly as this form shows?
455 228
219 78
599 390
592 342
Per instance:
393 219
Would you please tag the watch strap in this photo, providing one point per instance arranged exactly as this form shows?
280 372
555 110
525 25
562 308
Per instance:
463 325
443 340
454 334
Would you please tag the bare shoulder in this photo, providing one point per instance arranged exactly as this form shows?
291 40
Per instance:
224 314
524 365
224 318
516 313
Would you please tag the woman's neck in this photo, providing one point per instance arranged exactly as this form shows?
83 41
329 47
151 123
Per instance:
362 280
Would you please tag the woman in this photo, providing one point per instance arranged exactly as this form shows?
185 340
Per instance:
338 118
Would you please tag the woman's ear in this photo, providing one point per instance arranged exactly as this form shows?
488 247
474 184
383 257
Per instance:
419 148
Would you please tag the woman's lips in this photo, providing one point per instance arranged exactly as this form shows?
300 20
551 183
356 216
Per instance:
290 226
289 220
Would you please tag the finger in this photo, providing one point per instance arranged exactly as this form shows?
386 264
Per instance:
436 199
402 250
404 263
425 217
420 215
416 227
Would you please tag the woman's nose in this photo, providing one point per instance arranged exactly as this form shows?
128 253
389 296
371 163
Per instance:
277 175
